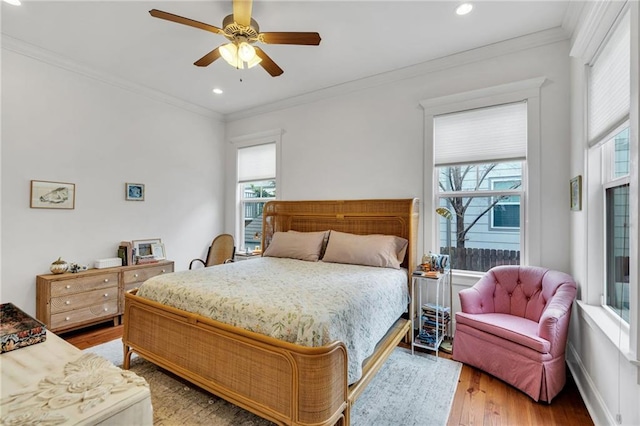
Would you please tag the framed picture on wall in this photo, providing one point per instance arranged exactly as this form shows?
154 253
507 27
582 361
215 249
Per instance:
52 195
575 187
134 191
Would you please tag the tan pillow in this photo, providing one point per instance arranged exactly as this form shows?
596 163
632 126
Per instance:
325 240
296 245
386 251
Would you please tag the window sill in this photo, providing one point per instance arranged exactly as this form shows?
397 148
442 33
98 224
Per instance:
615 330
466 278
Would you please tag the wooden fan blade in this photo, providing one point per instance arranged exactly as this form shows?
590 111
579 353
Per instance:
207 59
242 12
268 64
185 21
290 38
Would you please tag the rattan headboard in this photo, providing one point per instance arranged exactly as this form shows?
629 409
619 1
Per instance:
389 217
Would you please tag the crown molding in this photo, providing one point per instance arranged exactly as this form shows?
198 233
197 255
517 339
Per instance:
572 15
517 44
502 93
54 59
596 19
266 136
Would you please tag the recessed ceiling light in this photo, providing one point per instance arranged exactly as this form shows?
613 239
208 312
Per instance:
218 91
13 2
464 8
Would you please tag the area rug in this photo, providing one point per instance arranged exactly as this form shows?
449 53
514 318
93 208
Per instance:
408 390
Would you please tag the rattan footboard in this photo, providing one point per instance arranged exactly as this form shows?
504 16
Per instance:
285 383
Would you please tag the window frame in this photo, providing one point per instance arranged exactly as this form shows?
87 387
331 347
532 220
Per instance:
605 149
255 139
525 90
624 336
244 201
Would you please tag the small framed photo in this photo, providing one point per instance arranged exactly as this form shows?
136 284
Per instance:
134 191
52 195
144 247
575 187
157 250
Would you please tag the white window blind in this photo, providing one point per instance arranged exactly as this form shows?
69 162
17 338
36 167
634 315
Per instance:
257 162
609 86
481 135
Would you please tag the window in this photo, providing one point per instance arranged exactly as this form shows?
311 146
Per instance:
506 212
480 158
256 186
608 103
616 188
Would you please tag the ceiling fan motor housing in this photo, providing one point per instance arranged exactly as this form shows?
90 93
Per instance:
235 31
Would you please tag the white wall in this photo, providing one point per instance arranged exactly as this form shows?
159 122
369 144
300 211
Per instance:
60 125
369 143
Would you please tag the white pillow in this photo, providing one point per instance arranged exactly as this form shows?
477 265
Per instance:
386 251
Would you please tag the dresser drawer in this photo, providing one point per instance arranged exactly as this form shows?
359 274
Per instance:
83 283
90 313
82 300
140 275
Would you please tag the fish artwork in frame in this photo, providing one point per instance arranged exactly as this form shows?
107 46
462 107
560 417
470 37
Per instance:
52 195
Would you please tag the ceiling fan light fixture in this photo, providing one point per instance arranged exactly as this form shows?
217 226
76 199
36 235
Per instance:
229 53
255 61
246 52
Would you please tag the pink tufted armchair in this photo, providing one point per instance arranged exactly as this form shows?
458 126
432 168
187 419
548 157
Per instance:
514 324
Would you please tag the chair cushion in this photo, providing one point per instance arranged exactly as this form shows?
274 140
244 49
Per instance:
510 327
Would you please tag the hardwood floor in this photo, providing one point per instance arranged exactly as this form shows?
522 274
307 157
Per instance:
480 399
92 336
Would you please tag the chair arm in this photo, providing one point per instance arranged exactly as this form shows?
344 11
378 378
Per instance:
479 298
196 260
471 301
554 321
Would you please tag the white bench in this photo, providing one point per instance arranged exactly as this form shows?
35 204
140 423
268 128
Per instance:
79 388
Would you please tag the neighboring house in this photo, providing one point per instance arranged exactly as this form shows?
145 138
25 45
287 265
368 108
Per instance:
498 228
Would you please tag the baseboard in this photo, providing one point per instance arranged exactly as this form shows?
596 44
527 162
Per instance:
593 401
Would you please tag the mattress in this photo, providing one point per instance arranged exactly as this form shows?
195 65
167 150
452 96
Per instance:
305 303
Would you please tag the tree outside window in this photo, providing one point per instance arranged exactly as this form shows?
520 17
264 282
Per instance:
479 196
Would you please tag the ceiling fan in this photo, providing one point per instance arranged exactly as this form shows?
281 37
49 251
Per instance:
242 31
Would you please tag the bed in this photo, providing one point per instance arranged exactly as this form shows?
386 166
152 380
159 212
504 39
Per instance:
285 382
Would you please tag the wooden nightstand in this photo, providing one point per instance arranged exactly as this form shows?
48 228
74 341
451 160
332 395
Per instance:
245 256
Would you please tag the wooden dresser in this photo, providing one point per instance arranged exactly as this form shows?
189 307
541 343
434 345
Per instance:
66 302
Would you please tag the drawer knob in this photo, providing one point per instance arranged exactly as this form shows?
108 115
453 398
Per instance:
106 280
106 295
135 275
67 318
67 302
106 309
67 286
163 271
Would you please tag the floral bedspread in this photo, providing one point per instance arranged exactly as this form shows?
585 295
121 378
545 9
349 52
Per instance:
306 303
